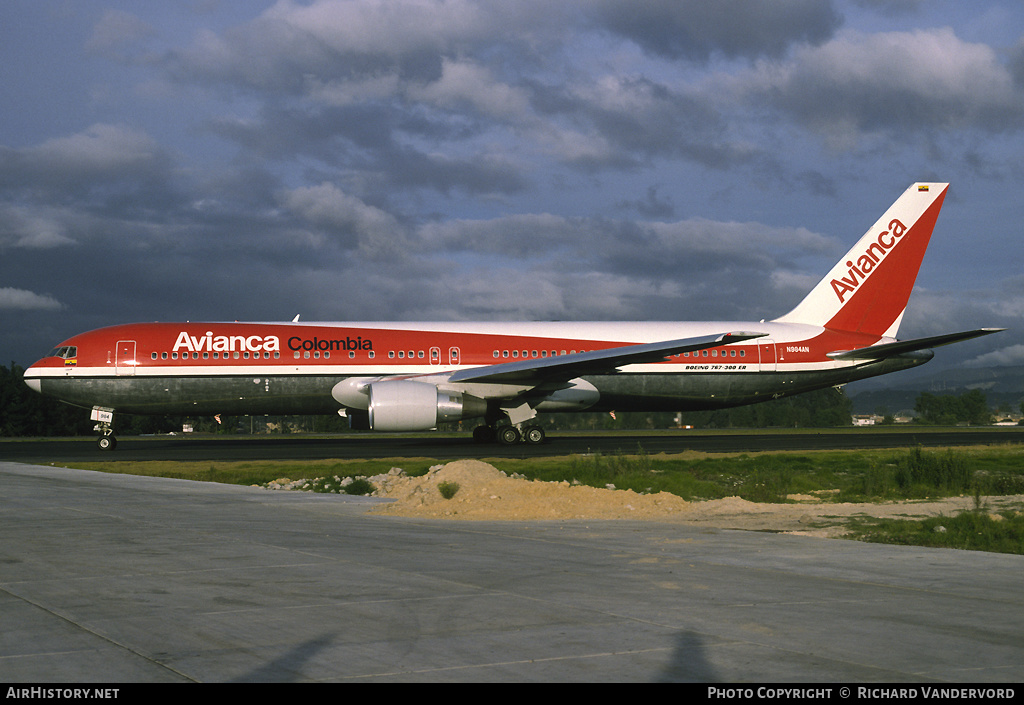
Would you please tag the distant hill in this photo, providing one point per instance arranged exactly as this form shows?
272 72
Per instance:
1003 387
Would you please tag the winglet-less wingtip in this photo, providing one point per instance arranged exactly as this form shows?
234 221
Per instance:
879 352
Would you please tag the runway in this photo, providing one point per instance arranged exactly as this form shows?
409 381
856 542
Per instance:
119 579
455 447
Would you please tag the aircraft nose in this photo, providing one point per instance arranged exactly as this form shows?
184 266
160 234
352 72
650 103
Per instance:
33 384
31 380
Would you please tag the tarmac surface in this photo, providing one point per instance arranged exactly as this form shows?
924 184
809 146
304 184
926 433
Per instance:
115 578
191 448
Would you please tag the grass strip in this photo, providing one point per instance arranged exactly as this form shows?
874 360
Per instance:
833 476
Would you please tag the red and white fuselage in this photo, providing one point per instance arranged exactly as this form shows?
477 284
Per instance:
406 376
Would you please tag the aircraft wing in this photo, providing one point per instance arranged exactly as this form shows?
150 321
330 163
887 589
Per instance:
880 352
566 367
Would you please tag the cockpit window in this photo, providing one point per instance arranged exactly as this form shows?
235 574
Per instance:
66 352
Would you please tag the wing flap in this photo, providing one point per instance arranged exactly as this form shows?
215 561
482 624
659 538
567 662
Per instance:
880 352
566 367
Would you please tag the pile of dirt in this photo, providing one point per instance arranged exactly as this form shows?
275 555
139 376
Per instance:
486 493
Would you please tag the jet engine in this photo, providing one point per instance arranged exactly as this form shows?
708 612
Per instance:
402 405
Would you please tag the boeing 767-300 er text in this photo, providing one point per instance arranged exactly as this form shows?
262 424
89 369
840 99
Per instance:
414 376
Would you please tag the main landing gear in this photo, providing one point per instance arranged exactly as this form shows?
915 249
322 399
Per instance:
511 423
509 435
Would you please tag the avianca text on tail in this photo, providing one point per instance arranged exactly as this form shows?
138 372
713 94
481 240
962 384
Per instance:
414 376
874 254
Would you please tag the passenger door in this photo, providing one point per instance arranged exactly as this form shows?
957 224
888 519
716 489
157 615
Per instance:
124 358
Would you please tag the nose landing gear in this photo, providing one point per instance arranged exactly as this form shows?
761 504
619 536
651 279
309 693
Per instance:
105 420
107 441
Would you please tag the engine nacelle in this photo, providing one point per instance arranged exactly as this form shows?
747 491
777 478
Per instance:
402 405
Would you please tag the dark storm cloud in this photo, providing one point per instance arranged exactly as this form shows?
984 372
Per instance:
293 47
697 30
372 139
901 82
99 157
626 122
362 82
892 7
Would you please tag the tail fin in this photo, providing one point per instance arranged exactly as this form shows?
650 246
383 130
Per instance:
868 289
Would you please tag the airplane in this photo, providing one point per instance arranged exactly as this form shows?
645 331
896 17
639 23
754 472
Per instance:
400 377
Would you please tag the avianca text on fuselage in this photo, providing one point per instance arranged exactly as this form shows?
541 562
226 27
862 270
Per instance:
270 343
347 343
226 343
870 259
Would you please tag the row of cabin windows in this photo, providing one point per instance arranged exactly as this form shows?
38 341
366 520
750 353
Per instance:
401 354
326 354
255 356
714 353
299 354
544 353
216 355
315 354
531 353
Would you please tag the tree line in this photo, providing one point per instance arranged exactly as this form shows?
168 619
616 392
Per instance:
948 409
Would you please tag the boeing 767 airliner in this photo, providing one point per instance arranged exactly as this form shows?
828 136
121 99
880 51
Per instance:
414 376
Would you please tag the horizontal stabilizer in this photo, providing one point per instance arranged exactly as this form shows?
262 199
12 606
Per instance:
566 367
879 352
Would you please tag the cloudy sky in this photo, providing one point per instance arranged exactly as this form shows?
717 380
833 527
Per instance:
512 160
